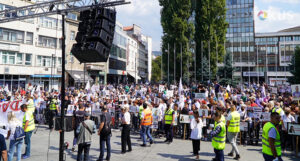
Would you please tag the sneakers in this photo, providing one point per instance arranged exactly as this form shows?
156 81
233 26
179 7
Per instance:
166 141
73 149
25 157
237 157
143 145
151 142
230 154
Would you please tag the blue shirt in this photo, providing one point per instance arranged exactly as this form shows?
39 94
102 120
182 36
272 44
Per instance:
2 143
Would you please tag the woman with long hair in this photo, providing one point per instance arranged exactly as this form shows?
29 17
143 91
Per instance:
196 129
13 123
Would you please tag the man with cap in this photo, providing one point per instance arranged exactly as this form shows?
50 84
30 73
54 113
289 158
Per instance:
85 131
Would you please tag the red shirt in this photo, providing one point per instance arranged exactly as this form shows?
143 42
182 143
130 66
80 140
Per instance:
254 105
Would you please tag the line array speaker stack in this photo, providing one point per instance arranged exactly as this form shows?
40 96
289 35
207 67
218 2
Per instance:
95 35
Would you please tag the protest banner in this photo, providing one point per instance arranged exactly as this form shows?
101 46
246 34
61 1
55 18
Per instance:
274 90
296 92
244 126
155 122
122 98
6 107
203 112
176 118
257 112
265 116
156 100
161 88
170 93
70 110
293 129
200 95
184 119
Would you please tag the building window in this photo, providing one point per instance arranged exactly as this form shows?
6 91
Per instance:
59 62
48 22
72 16
8 57
43 61
19 58
72 36
28 59
11 35
29 38
47 42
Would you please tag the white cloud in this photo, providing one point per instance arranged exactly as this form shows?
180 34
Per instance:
140 7
277 19
282 1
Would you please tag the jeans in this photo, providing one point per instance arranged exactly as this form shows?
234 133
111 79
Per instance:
12 146
52 114
102 146
125 138
270 158
219 155
86 148
146 131
28 142
169 132
232 136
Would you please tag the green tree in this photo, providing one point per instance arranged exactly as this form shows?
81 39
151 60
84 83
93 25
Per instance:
295 67
177 31
210 27
156 69
226 72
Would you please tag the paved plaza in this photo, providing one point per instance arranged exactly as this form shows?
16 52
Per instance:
180 150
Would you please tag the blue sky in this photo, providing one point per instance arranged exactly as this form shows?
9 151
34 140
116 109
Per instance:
146 14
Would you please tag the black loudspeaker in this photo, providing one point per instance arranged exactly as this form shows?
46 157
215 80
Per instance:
68 126
95 36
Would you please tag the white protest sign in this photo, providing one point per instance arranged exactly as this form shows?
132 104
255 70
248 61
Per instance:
203 112
244 126
161 88
274 90
184 119
170 93
6 107
265 116
200 95
296 91
70 110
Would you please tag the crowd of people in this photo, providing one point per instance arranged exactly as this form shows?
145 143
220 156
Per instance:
215 113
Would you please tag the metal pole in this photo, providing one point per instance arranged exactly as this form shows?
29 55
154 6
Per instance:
266 64
51 78
161 67
62 133
181 60
284 60
84 74
249 62
257 63
174 63
241 61
209 60
168 64
217 60
135 68
202 61
195 68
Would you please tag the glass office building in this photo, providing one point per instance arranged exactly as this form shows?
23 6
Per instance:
240 36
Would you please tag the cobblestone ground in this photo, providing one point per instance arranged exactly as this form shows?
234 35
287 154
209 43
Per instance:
179 150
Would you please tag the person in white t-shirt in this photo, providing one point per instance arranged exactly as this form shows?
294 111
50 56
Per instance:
286 139
196 133
13 123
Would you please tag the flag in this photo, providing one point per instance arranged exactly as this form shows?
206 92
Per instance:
6 88
263 91
228 88
181 96
88 86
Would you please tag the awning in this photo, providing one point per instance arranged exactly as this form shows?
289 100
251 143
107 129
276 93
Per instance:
133 75
78 76
45 76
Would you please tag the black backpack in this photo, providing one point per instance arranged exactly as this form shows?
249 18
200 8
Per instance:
106 130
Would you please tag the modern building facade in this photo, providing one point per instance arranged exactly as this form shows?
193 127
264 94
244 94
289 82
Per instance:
258 57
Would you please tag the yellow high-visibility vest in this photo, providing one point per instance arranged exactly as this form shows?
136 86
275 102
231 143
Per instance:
234 125
31 124
218 142
266 149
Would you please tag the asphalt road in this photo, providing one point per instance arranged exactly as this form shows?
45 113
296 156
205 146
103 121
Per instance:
44 149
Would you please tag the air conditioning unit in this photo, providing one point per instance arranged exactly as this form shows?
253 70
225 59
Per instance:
59 69
46 69
6 70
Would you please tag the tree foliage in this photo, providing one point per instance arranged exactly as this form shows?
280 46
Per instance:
210 27
177 31
295 67
156 69
226 72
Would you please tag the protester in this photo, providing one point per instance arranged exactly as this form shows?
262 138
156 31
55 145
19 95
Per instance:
218 135
196 129
85 130
125 135
271 146
146 122
105 134
28 126
53 111
169 121
77 119
13 124
233 124
3 150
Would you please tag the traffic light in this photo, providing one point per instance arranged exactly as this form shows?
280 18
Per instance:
95 35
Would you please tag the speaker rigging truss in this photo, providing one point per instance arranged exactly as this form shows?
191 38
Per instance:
54 7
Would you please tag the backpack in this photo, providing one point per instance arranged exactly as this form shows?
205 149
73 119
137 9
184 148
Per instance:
106 130
19 133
